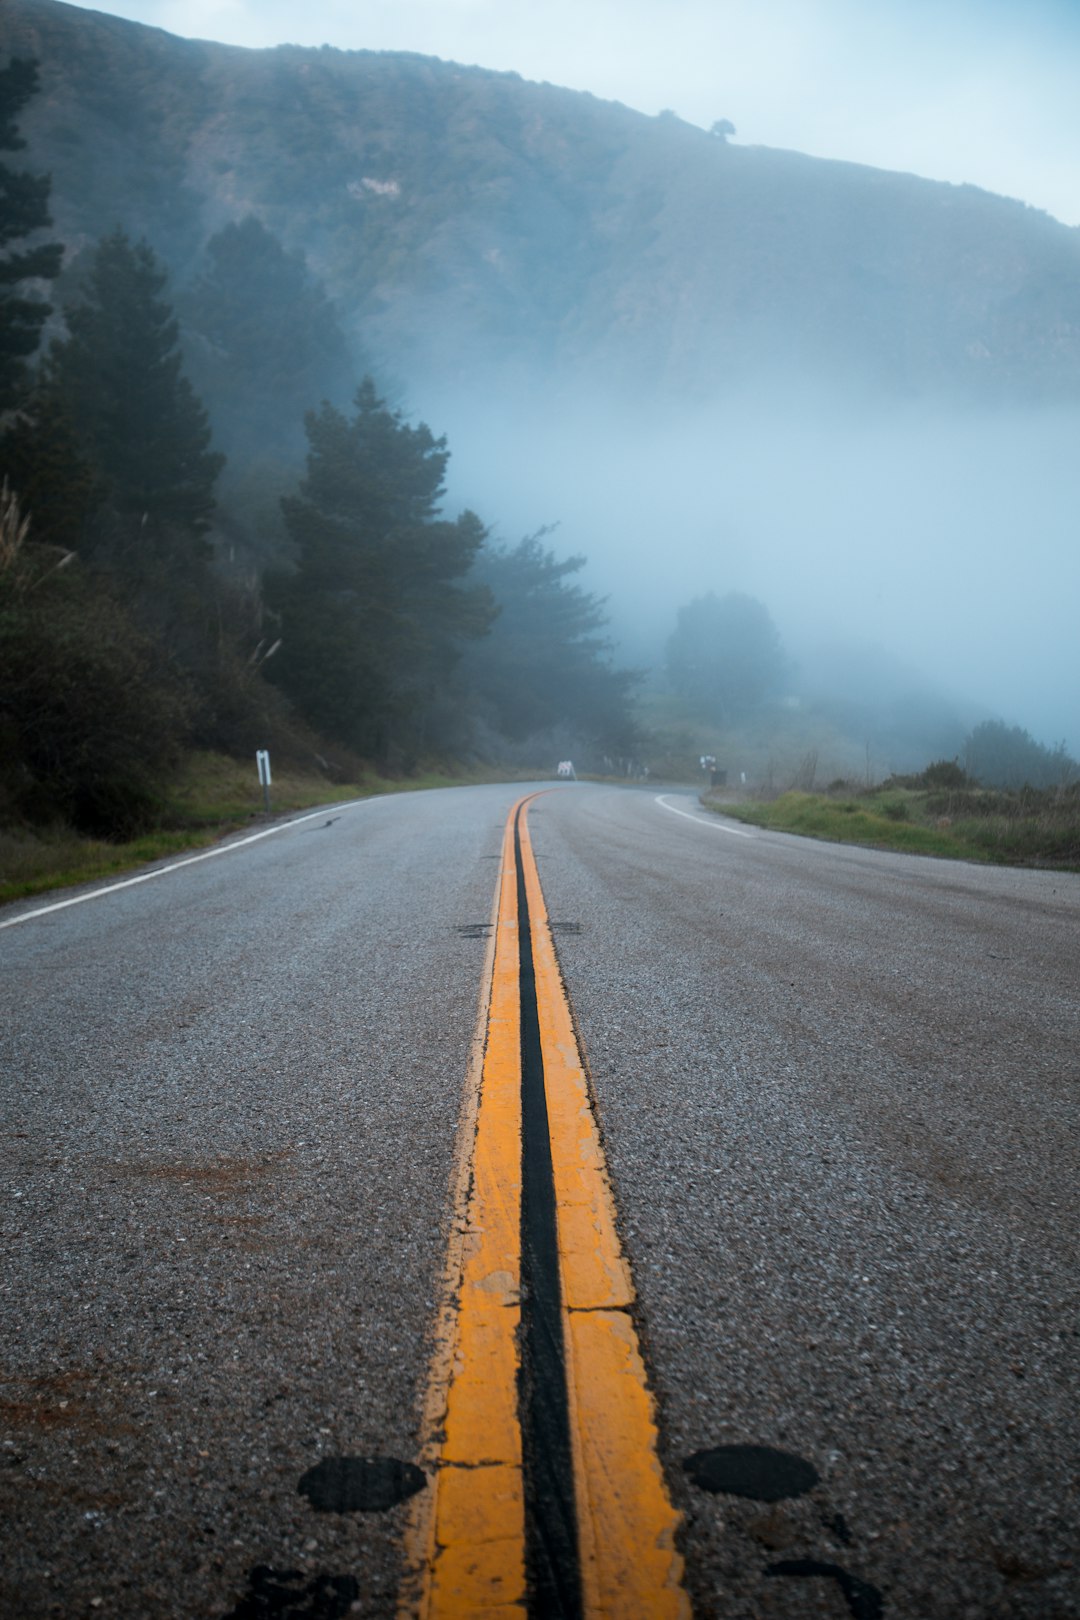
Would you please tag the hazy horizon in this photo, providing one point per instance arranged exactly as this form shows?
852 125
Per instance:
943 536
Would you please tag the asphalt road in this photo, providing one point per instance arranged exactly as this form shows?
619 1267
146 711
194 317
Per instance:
838 1092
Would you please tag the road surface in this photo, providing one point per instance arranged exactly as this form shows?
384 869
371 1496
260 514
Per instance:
837 1094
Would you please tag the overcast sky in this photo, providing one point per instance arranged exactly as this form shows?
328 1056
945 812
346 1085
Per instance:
986 91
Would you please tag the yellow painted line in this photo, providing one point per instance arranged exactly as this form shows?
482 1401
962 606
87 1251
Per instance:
465 1548
630 1565
465 1544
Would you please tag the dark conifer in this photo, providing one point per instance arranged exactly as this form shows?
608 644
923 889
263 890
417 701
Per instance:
546 661
42 459
263 342
374 617
23 211
119 375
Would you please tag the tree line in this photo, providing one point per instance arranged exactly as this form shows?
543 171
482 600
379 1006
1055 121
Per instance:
725 660
161 590
216 533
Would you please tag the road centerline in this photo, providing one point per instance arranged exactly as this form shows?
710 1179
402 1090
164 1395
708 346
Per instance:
547 1496
551 1534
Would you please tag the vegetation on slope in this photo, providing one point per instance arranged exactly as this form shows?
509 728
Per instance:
158 605
141 613
456 215
208 797
940 812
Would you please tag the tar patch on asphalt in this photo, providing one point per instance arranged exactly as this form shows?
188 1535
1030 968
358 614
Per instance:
360 1484
287 1594
837 1525
758 1472
864 1601
473 930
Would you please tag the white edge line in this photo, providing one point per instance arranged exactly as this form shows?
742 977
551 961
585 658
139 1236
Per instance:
174 866
717 826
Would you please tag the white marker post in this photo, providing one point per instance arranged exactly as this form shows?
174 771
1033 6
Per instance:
262 760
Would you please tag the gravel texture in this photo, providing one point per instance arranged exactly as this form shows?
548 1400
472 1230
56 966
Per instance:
839 1096
229 1105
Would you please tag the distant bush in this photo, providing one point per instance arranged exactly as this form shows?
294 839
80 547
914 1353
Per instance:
942 773
1009 757
972 802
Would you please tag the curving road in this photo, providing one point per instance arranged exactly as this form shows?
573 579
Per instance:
838 1092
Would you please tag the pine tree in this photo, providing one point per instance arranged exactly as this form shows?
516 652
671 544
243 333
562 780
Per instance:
23 210
546 661
263 341
119 375
374 617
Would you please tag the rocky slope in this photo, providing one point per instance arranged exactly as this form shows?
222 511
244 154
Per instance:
463 219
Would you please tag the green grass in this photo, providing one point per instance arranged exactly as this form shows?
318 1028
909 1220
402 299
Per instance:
1021 829
211 797
214 796
32 863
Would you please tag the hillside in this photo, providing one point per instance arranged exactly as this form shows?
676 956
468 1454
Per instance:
468 220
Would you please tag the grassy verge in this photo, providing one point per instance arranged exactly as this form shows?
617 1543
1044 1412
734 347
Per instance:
212 796
1019 829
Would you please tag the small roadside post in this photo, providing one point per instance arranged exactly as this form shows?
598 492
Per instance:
262 760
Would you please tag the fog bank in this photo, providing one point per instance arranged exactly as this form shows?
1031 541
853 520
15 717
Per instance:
945 537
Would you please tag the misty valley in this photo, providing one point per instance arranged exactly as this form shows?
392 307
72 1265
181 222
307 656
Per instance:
539 817
416 422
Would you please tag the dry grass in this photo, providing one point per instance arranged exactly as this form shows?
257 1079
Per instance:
1026 828
211 796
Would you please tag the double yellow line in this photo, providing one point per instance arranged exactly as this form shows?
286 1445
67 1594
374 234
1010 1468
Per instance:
471 1548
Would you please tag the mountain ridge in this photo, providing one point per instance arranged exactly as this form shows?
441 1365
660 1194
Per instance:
461 217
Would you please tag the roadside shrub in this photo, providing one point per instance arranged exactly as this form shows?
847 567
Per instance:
944 773
977 803
93 720
1009 757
